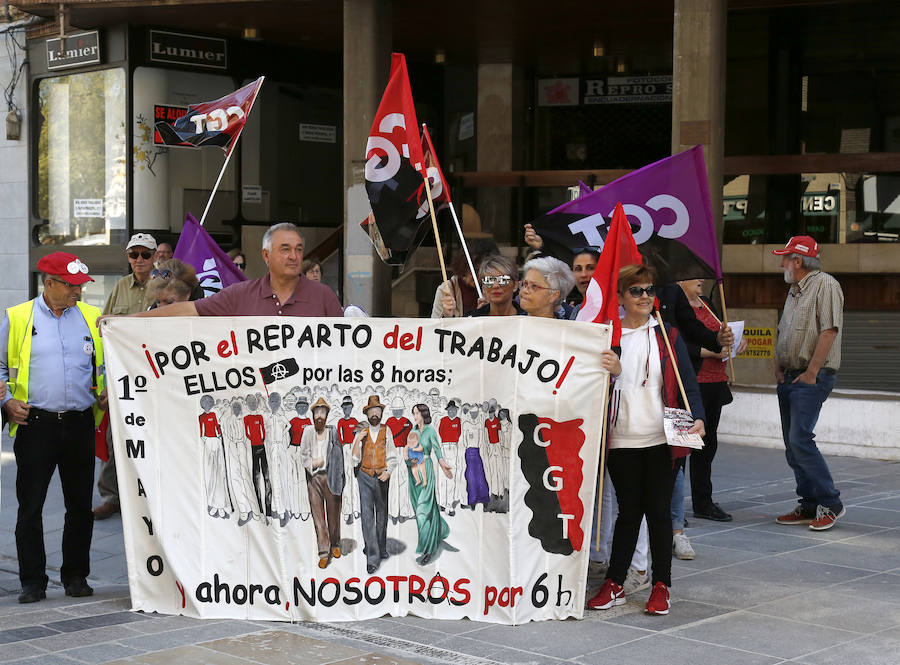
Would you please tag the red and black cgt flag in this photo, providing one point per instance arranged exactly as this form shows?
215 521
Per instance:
549 455
217 123
395 165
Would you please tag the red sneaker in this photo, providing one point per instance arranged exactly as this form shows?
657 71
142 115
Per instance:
659 599
797 516
610 595
825 518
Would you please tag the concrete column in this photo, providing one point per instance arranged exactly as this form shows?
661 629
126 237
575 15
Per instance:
498 140
698 88
367 60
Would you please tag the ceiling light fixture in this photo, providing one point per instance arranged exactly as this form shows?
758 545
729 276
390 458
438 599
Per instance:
250 34
599 50
440 57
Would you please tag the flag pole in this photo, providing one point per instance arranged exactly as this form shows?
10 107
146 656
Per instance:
674 361
462 241
215 188
713 314
437 237
603 434
725 323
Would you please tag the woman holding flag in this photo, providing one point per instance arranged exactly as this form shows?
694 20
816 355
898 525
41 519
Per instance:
640 461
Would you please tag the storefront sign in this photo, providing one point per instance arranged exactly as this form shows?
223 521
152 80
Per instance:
235 503
629 90
760 343
87 208
195 50
558 92
318 133
75 51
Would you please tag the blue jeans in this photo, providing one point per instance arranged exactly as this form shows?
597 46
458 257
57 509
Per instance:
800 404
678 502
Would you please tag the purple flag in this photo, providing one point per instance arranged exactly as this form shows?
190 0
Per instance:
583 190
215 269
668 206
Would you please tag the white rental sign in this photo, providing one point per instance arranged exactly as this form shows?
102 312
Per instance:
343 469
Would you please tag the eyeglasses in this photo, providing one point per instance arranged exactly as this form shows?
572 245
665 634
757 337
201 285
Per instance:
65 283
239 265
637 291
499 280
525 285
144 255
165 274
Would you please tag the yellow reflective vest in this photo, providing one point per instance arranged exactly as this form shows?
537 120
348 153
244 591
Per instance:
21 323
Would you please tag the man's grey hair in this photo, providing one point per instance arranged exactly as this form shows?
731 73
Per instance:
557 273
807 262
498 263
282 226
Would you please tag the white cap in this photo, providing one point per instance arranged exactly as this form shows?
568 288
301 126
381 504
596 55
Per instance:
141 240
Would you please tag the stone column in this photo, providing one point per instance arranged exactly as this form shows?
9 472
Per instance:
498 137
698 88
367 60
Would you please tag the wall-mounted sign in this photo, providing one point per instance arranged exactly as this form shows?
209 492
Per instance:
194 50
87 208
251 194
166 113
760 343
318 133
558 92
628 90
74 51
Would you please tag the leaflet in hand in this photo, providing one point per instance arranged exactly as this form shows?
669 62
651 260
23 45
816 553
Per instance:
676 423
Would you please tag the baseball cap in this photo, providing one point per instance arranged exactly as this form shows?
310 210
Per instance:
141 240
803 245
67 266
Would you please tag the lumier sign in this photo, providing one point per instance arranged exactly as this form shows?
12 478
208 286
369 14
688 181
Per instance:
183 49
73 51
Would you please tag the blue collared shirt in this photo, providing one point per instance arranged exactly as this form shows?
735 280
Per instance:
60 370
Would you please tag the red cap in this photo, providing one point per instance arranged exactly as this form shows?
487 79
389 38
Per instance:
803 245
67 266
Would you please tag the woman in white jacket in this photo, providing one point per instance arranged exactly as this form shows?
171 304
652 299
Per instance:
640 460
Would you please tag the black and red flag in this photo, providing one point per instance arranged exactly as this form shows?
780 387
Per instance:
217 123
550 456
395 167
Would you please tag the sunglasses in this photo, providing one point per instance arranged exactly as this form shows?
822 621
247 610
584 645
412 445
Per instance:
587 249
525 285
165 274
144 255
65 283
637 291
499 280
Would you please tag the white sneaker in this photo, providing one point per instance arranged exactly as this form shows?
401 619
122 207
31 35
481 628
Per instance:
597 568
682 547
635 581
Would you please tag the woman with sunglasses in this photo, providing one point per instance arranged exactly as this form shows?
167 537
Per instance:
545 283
237 256
584 261
640 461
175 270
498 276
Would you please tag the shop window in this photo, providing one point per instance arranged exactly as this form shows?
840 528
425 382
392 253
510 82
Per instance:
81 178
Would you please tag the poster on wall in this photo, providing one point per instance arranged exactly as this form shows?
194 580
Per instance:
346 469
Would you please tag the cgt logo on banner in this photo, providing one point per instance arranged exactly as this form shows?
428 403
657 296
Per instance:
341 469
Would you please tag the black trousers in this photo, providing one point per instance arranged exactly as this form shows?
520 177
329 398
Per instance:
46 444
701 460
643 479
260 475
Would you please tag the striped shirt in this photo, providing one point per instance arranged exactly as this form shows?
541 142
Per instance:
813 305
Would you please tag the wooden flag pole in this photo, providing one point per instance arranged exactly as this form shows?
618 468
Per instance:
713 314
674 361
437 237
725 322
603 434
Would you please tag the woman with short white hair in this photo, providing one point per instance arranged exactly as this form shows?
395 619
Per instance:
545 283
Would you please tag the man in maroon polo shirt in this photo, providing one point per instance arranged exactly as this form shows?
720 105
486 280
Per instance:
285 291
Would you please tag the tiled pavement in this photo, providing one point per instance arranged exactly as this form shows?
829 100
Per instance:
757 593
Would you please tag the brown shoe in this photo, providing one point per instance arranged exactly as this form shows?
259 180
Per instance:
323 562
336 552
105 509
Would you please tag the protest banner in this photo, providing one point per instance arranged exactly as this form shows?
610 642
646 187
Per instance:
248 490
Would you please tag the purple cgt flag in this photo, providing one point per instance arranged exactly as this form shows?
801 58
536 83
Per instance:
215 269
668 206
